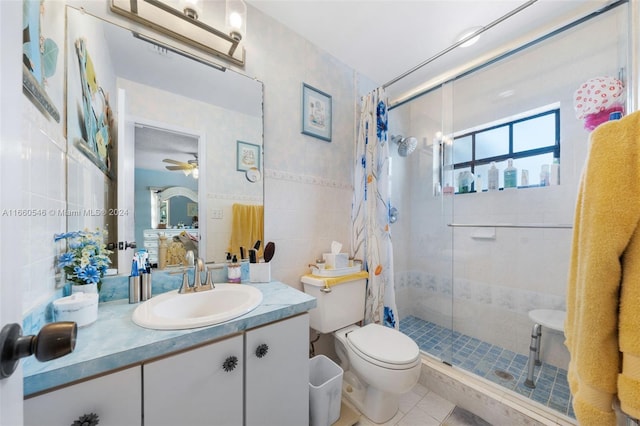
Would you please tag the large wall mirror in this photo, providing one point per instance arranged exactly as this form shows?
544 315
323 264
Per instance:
180 122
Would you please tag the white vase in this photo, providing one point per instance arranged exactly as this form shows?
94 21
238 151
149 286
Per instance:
85 288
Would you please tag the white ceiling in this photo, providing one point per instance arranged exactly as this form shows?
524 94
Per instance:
155 145
384 38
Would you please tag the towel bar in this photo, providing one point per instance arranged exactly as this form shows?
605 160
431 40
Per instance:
512 225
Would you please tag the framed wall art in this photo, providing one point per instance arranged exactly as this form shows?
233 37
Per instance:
42 65
316 113
248 156
90 118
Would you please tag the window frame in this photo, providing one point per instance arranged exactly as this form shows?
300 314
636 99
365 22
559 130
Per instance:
554 149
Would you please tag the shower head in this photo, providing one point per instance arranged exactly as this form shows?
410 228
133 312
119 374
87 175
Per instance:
405 145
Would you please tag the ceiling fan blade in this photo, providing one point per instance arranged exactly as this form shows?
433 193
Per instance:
179 168
168 160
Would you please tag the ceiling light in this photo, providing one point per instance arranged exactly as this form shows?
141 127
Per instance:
467 34
195 173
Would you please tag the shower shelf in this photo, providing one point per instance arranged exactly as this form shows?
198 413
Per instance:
512 225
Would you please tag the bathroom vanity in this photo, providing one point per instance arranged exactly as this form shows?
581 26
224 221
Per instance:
252 370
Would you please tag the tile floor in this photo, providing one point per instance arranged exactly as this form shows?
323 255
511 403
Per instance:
421 407
484 359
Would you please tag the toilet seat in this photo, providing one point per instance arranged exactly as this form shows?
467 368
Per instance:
384 347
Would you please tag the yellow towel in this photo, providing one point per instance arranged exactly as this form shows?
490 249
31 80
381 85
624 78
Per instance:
247 227
603 295
331 281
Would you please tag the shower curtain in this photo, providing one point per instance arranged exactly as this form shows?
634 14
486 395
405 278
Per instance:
371 236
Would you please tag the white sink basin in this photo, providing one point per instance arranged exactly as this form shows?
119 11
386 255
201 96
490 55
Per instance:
173 311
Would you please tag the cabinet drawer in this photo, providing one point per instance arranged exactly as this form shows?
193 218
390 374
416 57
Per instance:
151 233
150 244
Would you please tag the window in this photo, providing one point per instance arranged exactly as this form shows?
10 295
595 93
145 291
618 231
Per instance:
532 141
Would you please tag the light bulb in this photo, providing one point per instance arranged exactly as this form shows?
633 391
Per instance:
195 173
191 8
235 16
235 20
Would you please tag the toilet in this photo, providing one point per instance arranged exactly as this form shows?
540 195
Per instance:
379 363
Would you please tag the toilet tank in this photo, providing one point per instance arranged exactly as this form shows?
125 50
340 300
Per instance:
338 308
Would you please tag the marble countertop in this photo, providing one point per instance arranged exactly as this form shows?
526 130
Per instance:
115 341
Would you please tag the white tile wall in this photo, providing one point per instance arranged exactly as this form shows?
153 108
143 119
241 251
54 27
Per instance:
44 194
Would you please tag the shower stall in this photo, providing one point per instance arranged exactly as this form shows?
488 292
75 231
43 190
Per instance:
470 263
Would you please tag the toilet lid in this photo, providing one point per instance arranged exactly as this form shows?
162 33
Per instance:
384 344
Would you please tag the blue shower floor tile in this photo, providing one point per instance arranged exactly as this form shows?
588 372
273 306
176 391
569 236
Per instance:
485 360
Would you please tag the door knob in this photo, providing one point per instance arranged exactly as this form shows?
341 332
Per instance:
53 341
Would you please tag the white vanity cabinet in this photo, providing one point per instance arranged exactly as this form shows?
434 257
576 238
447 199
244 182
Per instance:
115 398
277 373
201 386
257 377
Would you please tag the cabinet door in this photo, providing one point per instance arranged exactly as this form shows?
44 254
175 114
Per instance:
116 400
202 386
277 373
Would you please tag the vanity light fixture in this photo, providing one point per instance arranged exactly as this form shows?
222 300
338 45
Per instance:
185 22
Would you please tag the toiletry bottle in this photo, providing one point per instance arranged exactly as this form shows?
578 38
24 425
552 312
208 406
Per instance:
554 172
524 177
478 183
492 184
544 175
234 271
510 175
145 284
134 281
465 179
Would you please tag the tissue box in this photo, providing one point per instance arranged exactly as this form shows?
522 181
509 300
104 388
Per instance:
336 260
260 272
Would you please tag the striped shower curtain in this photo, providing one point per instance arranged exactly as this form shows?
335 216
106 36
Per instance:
371 236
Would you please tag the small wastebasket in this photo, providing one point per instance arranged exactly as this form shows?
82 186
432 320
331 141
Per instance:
325 391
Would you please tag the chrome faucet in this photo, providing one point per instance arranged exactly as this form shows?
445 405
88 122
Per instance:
197 285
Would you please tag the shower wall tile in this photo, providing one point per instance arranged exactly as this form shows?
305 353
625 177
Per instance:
493 313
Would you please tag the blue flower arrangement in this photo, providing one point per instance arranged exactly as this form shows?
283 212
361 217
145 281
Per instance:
87 258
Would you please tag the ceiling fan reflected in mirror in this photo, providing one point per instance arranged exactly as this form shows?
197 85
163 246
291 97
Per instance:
188 168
